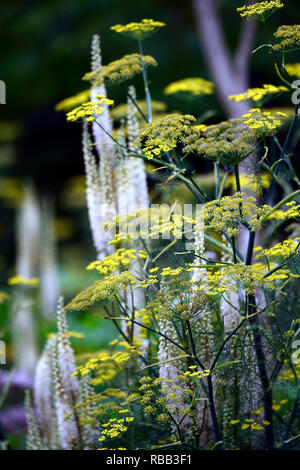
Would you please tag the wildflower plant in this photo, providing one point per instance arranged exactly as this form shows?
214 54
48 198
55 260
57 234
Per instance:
203 349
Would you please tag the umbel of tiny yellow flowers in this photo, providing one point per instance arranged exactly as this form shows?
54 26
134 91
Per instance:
22 281
120 70
260 10
89 110
288 36
72 101
229 141
195 86
138 30
119 112
293 69
264 123
259 95
164 134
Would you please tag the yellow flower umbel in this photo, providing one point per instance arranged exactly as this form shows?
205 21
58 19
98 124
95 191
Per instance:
281 250
260 10
229 141
288 36
249 278
164 134
264 123
225 214
293 69
120 70
120 112
22 281
139 30
195 86
88 111
72 101
259 96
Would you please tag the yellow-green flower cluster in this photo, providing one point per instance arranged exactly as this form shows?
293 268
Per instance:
114 427
23 281
193 373
288 373
106 364
259 95
260 10
139 30
230 141
163 396
281 250
89 110
249 278
106 289
195 86
293 69
250 424
120 70
288 36
292 212
72 101
225 214
120 112
264 123
111 263
164 134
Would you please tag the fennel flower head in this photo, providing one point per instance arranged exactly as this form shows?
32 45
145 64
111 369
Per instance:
265 123
139 30
230 141
120 70
164 134
69 103
195 86
260 10
259 96
88 111
23 281
293 69
288 37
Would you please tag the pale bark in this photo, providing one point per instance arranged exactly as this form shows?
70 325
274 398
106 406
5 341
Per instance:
229 73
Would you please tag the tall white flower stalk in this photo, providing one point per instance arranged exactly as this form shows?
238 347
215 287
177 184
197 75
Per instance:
138 172
48 261
27 246
43 394
33 437
57 391
67 425
66 359
99 164
132 192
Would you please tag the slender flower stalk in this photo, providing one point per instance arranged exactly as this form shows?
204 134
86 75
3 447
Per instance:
33 438
43 398
66 360
66 422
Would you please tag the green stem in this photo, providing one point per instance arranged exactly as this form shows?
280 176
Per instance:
237 178
147 91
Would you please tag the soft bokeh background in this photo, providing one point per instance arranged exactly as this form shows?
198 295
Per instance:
45 50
